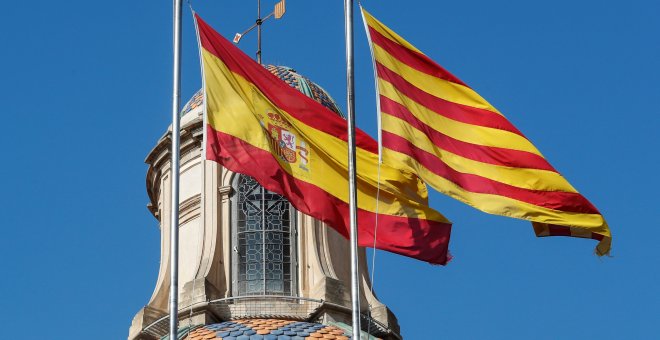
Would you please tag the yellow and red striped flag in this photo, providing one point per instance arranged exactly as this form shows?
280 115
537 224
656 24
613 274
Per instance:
435 125
292 145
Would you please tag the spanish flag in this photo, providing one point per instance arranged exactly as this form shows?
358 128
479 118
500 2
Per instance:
435 125
294 146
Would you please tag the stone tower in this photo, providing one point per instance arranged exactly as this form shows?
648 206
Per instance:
250 266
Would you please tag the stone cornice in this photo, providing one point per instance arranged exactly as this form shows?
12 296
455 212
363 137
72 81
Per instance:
225 190
189 209
159 158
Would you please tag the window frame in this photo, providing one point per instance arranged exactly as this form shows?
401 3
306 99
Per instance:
235 256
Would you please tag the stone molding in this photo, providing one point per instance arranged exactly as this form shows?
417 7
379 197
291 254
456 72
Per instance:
189 209
158 158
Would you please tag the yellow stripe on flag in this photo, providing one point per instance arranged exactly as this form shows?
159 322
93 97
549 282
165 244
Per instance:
468 133
502 205
519 177
440 88
386 31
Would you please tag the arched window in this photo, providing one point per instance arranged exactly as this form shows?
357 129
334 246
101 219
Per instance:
263 236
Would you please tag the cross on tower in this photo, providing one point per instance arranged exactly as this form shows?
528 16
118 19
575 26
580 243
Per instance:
278 12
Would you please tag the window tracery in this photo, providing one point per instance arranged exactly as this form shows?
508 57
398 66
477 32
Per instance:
263 235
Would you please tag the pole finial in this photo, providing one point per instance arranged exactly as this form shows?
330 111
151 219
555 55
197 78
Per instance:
278 13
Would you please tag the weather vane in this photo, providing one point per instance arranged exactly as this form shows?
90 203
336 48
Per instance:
278 12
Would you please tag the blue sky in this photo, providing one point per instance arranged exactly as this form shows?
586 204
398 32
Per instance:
85 89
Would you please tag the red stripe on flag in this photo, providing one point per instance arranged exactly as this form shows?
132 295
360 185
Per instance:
414 59
560 230
486 154
557 200
417 238
287 98
459 112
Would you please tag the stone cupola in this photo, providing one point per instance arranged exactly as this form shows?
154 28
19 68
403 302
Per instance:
249 262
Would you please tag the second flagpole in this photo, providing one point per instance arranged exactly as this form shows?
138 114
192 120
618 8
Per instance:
174 168
352 189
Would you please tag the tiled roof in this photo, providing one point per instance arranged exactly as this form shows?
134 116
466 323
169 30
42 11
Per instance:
291 77
304 85
196 101
267 329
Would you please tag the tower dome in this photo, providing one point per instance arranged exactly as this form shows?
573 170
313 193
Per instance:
304 85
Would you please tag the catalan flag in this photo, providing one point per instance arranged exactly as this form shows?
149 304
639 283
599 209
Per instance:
435 125
292 145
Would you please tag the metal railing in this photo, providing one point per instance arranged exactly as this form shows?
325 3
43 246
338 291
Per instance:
265 307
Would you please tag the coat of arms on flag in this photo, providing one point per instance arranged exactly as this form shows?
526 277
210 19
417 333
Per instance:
284 141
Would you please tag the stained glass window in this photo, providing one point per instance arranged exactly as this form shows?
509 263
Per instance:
263 231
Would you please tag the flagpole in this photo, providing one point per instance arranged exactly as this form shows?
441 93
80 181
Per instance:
174 174
350 89
259 31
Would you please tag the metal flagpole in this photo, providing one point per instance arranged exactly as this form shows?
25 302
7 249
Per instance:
174 175
259 31
352 192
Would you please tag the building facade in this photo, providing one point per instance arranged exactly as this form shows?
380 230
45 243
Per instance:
250 265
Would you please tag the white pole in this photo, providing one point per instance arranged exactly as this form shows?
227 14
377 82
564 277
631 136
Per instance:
352 190
174 175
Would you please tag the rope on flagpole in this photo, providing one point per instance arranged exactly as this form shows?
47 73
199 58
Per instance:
202 200
380 160
374 250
